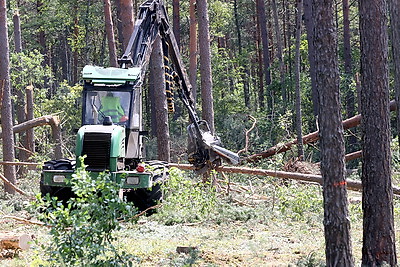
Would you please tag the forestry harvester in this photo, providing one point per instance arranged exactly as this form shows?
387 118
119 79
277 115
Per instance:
111 138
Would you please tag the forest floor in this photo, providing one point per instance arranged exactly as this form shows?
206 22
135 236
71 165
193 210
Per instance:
261 222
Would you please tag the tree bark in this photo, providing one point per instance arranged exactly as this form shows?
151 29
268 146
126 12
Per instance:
394 8
205 64
264 39
17 32
5 94
260 72
348 73
338 248
19 91
109 25
300 149
160 101
378 223
176 24
279 55
75 49
125 21
30 138
193 49
309 23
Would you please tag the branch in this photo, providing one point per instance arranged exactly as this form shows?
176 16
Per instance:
25 220
309 138
246 148
351 184
15 187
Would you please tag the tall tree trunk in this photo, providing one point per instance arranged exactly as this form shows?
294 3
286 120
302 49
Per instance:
176 24
348 73
42 35
75 48
17 32
125 21
260 69
109 25
5 93
264 39
336 223
245 75
394 7
300 149
19 91
350 107
30 138
205 64
309 23
193 49
378 223
279 52
160 101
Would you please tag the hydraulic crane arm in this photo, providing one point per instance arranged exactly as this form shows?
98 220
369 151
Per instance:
204 148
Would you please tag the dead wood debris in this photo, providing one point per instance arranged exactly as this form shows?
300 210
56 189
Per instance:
296 165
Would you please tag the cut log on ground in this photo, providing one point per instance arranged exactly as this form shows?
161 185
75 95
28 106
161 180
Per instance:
9 240
309 138
351 184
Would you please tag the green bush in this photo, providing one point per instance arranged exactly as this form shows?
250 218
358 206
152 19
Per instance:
186 201
82 230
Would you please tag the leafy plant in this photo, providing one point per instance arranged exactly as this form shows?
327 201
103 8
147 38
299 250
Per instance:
82 229
300 201
186 201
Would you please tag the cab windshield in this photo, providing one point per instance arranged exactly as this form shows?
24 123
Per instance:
99 104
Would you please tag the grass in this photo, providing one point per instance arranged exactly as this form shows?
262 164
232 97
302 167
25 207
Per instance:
261 222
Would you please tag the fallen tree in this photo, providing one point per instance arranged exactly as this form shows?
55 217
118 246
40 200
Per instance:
54 123
309 138
351 184
5 180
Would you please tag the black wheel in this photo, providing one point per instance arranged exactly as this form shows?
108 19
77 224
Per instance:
62 193
144 198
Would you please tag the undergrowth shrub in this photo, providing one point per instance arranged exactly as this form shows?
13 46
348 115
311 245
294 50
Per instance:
300 202
185 200
82 231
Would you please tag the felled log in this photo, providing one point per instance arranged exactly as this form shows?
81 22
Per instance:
353 155
54 123
351 184
309 138
9 240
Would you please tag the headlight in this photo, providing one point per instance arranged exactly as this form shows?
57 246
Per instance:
58 178
132 180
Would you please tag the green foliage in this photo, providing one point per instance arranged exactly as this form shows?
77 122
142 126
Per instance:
299 202
82 231
26 69
66 103
186 201
311 260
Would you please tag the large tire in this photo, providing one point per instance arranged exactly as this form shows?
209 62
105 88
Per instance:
62 193
144 198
